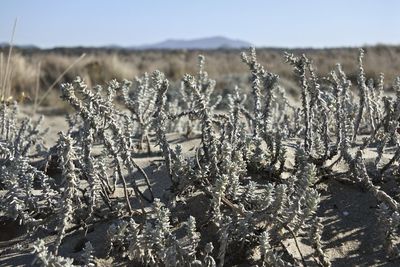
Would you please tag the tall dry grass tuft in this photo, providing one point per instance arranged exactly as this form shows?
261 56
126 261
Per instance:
5 78
22 75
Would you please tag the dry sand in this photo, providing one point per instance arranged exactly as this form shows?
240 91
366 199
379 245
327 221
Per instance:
350 236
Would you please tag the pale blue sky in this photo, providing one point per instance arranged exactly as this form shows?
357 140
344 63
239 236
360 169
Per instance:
284 23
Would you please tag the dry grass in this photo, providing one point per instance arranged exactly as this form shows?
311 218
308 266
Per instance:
102 65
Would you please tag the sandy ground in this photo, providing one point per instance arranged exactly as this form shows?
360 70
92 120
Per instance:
350 236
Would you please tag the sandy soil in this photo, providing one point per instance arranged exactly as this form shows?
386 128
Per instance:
350 236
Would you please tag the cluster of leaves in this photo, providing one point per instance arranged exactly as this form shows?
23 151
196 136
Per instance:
253 199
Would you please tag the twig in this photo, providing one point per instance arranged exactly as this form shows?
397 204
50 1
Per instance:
59 79
296 243
35 104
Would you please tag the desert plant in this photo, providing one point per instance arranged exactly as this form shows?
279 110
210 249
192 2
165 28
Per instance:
140 100
254 174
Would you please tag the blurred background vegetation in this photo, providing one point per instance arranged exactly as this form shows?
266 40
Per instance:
34 69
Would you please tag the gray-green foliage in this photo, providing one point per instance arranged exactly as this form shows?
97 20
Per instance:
140 99
255 198
17 175
45 258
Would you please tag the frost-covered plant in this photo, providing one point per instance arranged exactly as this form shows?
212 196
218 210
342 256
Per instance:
87 256
218 193
226 154
180 123
233 166
90 171
208 259
161 84
262 102
344 111
263 116
258 156
390 222
181 170
45 258
315 110
315 233
17 174
223 243
18 203
155 242
363 91
269 256
98 111
252 196
300 65
69 195
140 99
18 136
208 134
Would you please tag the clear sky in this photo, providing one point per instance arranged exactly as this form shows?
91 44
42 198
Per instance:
283 23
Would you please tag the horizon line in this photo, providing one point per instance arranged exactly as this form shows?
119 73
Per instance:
142 48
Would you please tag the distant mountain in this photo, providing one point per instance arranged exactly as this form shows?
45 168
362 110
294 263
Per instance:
216 42
201 43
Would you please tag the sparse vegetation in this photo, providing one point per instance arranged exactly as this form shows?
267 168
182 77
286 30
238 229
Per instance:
102 65
250 192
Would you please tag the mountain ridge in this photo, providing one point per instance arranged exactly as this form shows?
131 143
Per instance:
214 42
206 43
